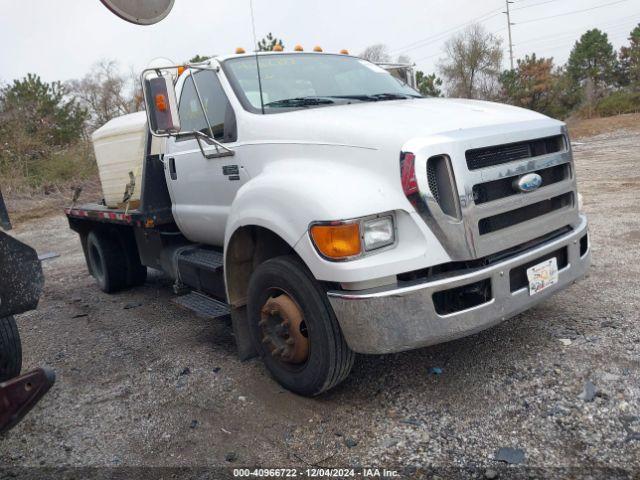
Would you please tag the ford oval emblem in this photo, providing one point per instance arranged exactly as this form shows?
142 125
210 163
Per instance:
528 183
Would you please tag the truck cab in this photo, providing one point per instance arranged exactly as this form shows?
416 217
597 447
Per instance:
337 211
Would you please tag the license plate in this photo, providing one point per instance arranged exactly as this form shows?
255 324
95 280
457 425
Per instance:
542 275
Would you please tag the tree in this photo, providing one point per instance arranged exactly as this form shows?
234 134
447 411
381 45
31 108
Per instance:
105 93
630 61
377 53
473 64
199 58
268 43
592 62
43 110
531 84
429 85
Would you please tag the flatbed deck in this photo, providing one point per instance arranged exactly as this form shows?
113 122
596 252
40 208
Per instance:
101 213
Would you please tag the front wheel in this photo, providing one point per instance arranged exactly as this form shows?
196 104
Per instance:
10 349
294 329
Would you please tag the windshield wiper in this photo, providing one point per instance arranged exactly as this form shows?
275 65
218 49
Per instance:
378 97
300 102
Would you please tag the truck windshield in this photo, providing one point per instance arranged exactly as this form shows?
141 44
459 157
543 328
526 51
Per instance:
306 80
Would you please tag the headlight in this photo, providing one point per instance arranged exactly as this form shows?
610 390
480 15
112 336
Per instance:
378 233
351 239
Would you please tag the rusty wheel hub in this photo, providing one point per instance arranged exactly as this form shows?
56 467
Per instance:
284 330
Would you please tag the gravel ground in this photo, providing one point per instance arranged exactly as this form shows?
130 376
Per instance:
143 383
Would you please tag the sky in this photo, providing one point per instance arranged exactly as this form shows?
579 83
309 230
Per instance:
61 39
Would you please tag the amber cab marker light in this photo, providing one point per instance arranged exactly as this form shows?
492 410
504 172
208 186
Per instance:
318 49
337 241
344 51
161 103
240 51
298 48
278 48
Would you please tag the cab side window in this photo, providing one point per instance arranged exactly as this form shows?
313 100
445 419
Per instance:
216 104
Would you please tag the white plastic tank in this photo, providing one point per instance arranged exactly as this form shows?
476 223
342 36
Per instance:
119 146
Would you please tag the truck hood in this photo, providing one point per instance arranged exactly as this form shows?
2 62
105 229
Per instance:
389 124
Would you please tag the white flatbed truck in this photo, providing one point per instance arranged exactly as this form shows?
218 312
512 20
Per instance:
331 210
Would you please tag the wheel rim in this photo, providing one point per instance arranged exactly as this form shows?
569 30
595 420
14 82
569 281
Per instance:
283 328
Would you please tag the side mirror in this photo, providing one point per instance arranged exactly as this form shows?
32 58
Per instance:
161 105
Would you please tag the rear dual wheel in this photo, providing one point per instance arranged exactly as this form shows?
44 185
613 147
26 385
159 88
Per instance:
10 349
114 263
294 329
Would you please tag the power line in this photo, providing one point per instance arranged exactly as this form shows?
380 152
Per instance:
606 27
534 5
432 38
574 12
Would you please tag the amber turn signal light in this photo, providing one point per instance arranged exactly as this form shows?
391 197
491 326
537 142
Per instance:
161 103
337 241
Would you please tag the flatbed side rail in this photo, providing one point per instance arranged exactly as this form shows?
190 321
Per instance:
99 213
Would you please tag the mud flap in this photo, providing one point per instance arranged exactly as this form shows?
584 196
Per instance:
22 277
240 325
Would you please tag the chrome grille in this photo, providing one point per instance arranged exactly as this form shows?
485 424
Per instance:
497 189
492 215
497 155
523 214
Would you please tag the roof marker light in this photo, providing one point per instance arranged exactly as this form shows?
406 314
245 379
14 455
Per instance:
298 48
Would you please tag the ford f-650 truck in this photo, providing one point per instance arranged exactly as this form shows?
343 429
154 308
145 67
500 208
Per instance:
332 210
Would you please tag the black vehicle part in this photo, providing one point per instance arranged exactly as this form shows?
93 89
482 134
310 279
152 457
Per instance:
136 272
307 368
18 396
203 305
107 261
5 222
21 274
10 349
202 269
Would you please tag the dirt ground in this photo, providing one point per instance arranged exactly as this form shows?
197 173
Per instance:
143 383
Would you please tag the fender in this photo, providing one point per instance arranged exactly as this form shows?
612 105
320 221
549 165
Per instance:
288 195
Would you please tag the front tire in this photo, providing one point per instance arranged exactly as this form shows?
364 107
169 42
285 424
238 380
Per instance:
10 349
294 329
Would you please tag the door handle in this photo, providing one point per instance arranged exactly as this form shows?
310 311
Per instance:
172 169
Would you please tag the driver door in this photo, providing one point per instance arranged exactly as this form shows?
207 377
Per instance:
203 189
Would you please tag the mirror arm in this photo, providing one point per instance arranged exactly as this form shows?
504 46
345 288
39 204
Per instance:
226 152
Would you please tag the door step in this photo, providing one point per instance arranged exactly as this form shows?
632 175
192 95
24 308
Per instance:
202 258
203 305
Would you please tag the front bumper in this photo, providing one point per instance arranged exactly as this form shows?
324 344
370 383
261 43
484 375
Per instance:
384 320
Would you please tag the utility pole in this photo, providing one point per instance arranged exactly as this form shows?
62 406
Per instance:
508 12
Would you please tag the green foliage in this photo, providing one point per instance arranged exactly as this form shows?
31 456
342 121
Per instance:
43 109
268 43
629 72
199 58
593 60
429 85
531 84
619 102
44 128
